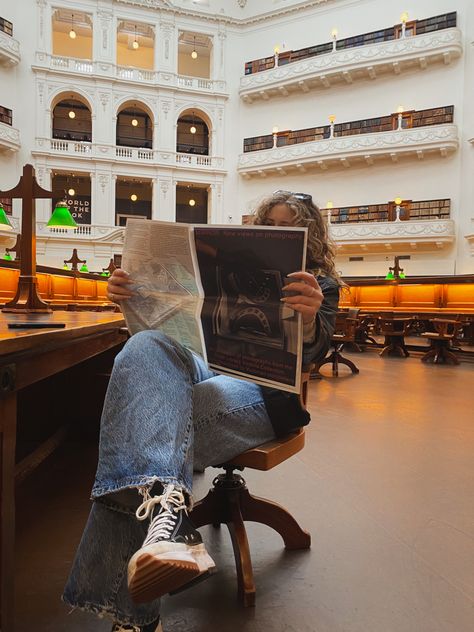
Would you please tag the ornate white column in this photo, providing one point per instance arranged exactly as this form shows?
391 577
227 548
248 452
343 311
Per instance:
155 199
165 206
103 198
218 54
104 37
167 44
44 32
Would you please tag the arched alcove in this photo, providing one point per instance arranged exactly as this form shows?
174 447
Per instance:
71 119
134 126
192 133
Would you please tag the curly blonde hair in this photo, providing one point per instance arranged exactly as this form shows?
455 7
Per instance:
321 249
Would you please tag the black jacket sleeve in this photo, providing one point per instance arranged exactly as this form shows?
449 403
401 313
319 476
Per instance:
325 322
284 409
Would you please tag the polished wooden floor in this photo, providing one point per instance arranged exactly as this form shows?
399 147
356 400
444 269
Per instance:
385 485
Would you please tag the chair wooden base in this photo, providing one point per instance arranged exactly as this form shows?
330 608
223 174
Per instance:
439 353
395 347
335 358
229 502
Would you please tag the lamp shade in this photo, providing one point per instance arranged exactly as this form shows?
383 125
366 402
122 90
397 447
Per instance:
61 217
65 266
402 275
7 257
390 276
84 268
4 221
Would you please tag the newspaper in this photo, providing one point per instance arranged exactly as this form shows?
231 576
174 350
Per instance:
216 290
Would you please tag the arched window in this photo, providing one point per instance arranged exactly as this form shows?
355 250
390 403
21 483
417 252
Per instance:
192 135
72 120
134 127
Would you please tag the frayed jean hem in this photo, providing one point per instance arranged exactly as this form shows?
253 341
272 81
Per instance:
108 612
100 493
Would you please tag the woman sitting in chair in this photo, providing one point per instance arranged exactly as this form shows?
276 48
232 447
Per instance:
166 413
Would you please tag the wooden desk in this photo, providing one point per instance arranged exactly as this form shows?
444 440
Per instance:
27 356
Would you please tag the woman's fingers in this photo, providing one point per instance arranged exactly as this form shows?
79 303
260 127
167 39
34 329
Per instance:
118 287
307 277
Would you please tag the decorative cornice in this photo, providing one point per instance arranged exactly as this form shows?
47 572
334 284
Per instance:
371 234
9 50
443 138
168 7
382 57
9 138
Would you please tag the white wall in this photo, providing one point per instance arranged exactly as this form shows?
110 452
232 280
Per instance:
433 177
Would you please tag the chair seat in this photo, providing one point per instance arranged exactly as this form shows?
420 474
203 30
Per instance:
270 454
435 336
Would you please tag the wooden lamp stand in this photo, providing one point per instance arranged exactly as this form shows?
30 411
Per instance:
27 299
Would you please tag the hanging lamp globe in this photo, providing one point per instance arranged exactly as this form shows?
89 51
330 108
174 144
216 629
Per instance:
84 268
61 217
390 276
7 257
4 221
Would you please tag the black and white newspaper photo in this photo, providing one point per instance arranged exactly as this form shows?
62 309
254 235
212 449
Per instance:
248 331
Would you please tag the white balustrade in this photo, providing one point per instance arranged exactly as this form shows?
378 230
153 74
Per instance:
126 73
112 153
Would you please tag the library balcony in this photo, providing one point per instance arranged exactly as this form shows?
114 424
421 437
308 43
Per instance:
83 152
418 43
128 75
72 121
9 135
413 133
9 46
422 225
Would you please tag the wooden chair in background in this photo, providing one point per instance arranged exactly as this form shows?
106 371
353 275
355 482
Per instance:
344 333
441 340
394 329
230 502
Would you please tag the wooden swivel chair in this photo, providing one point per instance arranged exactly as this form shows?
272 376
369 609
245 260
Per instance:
441 340
229 502
345 332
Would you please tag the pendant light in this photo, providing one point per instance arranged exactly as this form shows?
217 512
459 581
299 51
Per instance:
134 197
135 44
72 114
194 53
193 129
84 268
7 257
72 32
192 202
134 119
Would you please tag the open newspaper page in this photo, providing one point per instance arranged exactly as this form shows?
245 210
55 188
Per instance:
248 332
160 258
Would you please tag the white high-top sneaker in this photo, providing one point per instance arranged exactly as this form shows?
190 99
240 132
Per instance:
173 554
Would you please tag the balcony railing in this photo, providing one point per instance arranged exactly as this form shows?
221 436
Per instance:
345 66
386 236
114 153
112 72
408 210
87 232
416 27
9 137
405 120
354 144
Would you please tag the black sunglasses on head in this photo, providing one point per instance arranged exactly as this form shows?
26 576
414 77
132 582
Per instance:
304 197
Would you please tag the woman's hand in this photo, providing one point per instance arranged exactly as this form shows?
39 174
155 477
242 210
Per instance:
308 297
118 286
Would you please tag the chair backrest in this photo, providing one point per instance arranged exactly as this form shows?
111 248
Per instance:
353 312
446 328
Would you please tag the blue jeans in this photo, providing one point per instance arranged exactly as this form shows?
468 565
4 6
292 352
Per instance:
165 414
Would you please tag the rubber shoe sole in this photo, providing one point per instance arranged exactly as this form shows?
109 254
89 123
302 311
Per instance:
166 567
